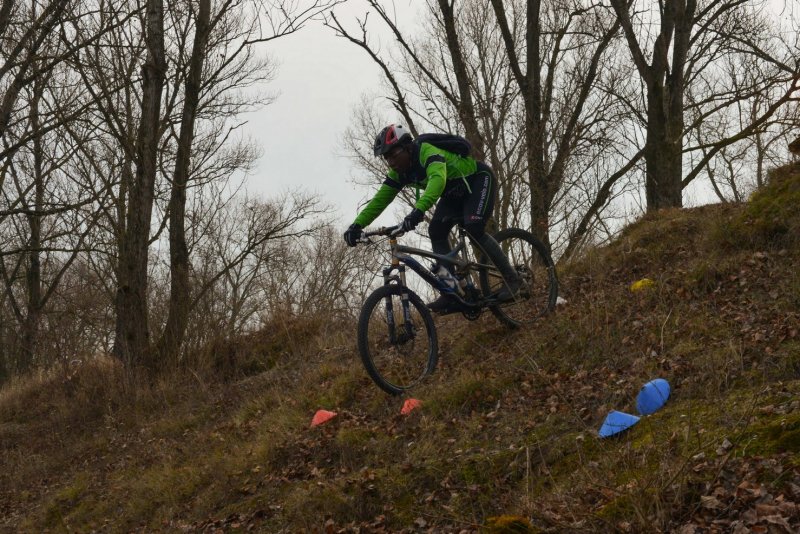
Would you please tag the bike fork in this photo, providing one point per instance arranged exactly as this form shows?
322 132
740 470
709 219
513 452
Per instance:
388 309
405 303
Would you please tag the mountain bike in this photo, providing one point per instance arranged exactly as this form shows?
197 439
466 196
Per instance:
397 338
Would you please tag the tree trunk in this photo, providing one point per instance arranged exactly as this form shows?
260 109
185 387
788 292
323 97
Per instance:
466 106
133 341
4 374
177 319
5 15
530 85
663 152
539 204
30 325
541 195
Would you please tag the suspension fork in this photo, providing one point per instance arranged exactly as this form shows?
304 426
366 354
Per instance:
400 277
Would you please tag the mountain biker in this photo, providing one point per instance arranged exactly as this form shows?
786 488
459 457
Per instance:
462 186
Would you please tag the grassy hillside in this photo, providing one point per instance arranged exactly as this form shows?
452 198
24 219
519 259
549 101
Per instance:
505 440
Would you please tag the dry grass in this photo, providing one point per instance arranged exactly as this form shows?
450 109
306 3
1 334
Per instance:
505 439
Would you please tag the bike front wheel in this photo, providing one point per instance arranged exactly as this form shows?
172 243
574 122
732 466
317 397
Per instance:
397 339
539 291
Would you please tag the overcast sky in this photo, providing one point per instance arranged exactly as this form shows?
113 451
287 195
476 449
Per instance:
320 79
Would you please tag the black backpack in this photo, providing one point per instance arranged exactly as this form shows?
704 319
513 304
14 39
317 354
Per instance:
446 141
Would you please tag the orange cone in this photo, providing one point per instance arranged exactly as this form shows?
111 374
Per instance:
409 405
322 416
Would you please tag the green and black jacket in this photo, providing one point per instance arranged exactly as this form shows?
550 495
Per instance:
434 170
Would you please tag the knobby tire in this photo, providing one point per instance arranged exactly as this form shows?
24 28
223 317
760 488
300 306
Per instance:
392 365
534 264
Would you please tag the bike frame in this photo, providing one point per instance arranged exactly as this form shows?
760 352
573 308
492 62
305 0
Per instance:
395 273
401 257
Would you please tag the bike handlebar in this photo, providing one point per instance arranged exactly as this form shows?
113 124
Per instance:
385 231
397 230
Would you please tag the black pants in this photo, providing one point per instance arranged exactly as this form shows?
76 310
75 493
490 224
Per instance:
472 201
473 205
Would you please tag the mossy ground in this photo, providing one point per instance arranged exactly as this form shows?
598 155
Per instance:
505 440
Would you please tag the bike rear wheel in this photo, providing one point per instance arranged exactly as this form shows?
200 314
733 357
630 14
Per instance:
535 267
397 339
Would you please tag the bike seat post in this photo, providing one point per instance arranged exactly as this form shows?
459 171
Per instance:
464 243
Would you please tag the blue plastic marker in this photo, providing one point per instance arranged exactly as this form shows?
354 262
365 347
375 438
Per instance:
652 396
616 422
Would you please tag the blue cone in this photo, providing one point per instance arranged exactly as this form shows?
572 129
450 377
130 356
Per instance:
616 422
652 396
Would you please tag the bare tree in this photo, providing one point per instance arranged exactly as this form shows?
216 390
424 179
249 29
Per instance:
324 276
240 248
742 167
177 319
36 38
44 206
132 343
283 19
739 111
690 39
97 178
35 28
170 126
547 158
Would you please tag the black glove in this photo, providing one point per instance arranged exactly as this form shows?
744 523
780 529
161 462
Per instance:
352 235
412 220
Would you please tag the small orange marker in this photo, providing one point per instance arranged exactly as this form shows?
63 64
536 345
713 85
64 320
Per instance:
409 405
322 416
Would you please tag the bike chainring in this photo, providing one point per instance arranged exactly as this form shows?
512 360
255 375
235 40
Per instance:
472 314
472 295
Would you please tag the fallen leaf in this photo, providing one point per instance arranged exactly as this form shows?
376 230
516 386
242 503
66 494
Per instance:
710 502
